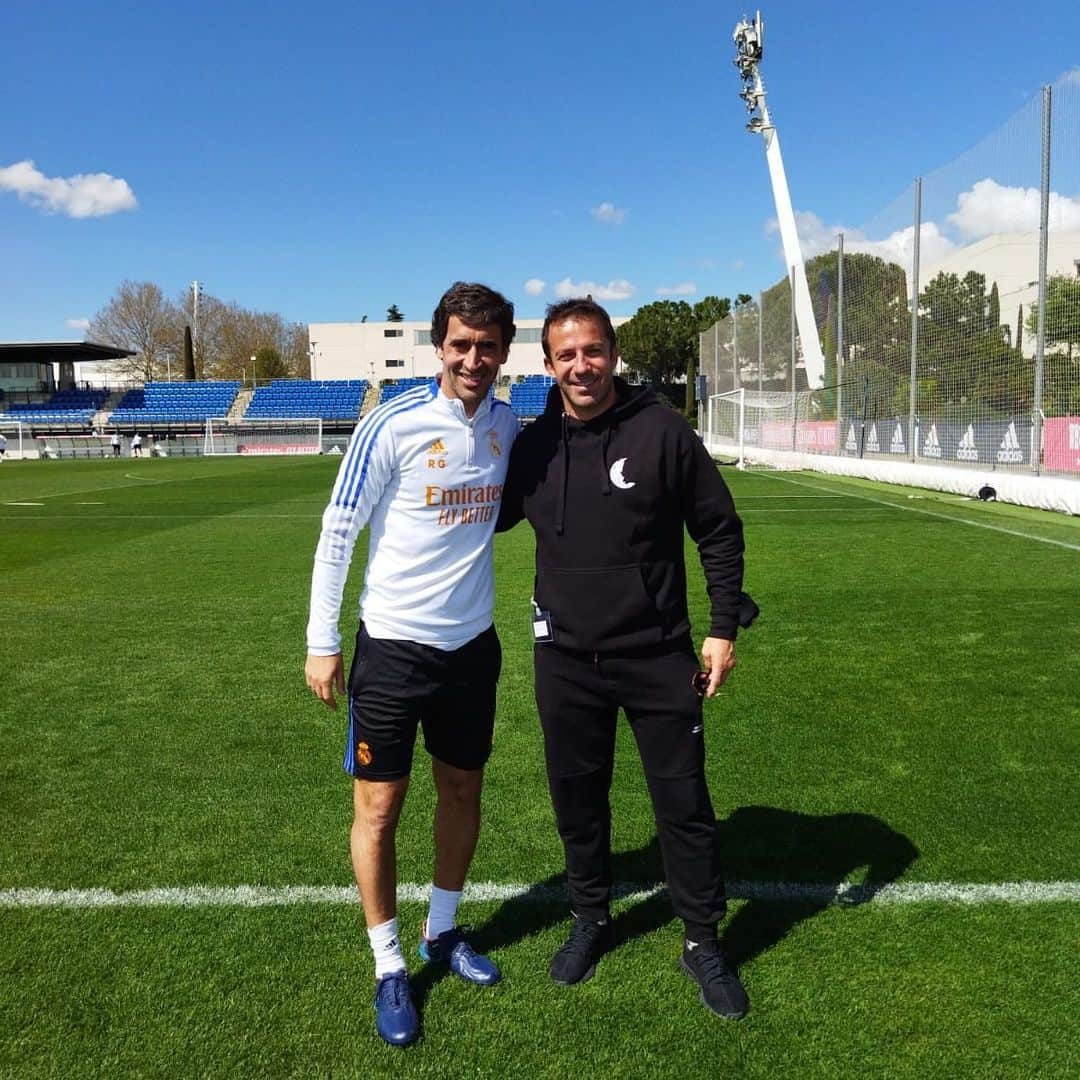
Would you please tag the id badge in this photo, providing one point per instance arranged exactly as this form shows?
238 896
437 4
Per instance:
541 625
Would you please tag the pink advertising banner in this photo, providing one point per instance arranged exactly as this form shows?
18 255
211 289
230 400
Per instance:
811 436
1061 443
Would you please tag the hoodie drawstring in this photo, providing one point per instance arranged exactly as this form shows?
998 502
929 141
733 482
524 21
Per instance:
604 442
563 481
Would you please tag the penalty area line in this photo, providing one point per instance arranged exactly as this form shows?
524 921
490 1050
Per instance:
825 893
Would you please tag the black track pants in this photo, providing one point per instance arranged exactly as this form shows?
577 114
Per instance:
578 697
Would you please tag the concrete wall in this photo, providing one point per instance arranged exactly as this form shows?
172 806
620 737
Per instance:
1012 260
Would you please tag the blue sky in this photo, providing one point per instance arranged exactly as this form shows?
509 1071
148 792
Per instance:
325 160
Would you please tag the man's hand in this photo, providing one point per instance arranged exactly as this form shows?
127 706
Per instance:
717 658
323 674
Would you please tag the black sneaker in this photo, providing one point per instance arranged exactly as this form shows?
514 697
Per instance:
721 990
576 961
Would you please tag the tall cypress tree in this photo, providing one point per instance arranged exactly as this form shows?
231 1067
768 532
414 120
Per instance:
189 356
691 395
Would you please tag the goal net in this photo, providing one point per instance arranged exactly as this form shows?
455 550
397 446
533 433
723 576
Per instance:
225 435
742 421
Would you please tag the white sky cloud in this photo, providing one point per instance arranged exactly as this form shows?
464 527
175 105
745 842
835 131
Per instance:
815 237
899 247
535 286
1071 76
990 208
82 196
684 288
609 213
618 289
986 209
78 324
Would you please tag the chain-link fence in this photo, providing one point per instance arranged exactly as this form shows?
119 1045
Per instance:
991 243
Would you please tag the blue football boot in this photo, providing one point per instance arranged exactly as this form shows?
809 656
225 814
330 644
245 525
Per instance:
452 948
395 1018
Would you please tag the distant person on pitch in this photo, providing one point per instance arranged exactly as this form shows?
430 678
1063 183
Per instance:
114 442
426 470
3 445
136 445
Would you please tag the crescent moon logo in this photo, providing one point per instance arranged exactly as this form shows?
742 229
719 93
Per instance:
617 478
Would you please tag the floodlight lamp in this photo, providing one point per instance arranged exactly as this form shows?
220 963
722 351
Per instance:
749 40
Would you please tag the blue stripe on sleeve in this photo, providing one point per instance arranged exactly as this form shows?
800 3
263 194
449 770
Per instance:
356 465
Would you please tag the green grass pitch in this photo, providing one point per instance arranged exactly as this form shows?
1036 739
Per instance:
905 711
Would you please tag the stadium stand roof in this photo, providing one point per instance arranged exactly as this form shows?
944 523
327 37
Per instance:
52 352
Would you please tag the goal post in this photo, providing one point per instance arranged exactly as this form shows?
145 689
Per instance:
284 435
726 424
18 438
744 421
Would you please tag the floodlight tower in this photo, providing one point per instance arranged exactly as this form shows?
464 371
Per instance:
749 47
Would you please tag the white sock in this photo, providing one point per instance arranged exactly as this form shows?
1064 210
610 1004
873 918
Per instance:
386 948
442 915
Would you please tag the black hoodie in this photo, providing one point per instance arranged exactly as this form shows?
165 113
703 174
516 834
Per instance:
608 499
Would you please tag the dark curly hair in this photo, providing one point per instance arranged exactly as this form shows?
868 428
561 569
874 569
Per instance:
475 305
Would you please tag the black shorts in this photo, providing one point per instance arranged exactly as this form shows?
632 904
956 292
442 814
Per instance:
395 685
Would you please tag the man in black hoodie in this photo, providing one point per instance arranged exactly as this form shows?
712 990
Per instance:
608 477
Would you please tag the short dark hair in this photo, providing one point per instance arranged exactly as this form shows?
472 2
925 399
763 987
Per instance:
475 305
577 308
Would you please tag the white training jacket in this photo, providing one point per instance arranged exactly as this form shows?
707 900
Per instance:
428 480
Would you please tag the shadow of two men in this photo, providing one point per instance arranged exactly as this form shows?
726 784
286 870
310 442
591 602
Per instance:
787 867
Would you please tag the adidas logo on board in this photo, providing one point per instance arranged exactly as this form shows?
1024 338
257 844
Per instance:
967 450
1009 453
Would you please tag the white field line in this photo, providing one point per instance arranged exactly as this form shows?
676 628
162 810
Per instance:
250 896
156 517
930 513
119 487
744 498
805 510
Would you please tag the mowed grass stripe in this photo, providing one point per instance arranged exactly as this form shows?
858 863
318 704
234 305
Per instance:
194 896
930 513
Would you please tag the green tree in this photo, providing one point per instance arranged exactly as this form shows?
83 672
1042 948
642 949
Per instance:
662 337
877 321
1062 313
963 355
710 310
270 364
393 314
659 340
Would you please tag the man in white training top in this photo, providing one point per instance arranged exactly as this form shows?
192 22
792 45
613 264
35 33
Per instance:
425 470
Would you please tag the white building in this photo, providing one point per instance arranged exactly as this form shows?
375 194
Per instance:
1012 260
396 350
